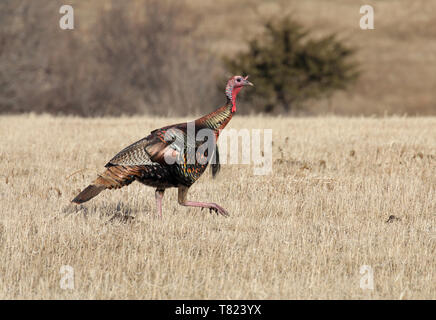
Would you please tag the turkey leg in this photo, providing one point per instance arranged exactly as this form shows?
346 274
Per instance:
159 196
183 192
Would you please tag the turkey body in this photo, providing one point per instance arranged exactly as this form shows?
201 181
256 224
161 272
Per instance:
160 160
171 157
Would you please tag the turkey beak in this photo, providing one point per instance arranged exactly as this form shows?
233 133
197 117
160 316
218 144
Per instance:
248 83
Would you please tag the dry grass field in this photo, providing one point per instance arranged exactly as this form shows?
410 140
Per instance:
302 232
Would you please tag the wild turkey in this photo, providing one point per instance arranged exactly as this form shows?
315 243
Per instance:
162 160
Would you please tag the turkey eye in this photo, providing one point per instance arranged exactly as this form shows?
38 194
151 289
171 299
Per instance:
239 79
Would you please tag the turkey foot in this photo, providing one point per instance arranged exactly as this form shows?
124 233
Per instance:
208 205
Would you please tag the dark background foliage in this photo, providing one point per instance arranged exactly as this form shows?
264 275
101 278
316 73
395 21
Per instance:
290 67
173 57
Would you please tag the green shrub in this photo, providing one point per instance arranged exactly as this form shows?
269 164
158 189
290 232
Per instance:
287 67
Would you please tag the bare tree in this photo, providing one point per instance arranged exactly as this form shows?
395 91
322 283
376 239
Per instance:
141 58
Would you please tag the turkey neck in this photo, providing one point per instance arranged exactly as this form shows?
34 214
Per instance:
217 119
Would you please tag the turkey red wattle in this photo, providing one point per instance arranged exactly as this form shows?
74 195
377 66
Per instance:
235 92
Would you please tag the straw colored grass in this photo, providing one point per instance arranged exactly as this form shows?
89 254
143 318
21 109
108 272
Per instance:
303 231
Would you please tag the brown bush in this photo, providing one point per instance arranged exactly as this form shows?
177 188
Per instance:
135 59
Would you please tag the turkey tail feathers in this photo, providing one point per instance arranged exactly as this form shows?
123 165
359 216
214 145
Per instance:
88 193
113 178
